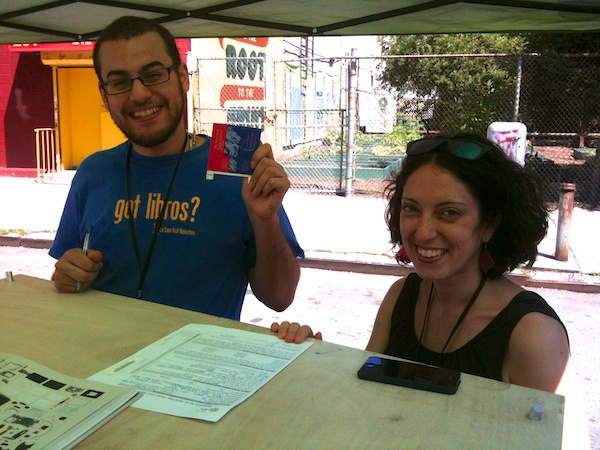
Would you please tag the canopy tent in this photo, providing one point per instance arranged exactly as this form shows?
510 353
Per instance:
32 21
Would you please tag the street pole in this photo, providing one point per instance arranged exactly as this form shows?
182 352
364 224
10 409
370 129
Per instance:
352 95
565 212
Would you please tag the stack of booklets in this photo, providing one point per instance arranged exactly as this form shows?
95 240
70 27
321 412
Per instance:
44 409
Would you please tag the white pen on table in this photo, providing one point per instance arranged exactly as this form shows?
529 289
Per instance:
86 246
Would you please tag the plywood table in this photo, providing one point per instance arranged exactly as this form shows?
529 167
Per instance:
316 402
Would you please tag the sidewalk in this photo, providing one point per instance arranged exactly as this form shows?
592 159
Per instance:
337 233
350 234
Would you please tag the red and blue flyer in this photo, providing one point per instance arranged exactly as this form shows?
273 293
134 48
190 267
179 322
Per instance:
231 150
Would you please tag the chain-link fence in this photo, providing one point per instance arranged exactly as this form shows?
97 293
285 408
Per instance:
338 131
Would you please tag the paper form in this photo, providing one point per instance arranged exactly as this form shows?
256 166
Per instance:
202 371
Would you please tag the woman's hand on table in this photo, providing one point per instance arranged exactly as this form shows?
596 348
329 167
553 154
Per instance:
294 332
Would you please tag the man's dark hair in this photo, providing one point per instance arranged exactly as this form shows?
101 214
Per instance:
503 189
129 27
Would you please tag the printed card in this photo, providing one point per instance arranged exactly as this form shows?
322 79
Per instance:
231 150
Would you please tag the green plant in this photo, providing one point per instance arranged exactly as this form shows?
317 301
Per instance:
19 231
407 129
319 152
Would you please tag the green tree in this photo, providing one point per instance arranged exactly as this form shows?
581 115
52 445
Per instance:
562 80
459 93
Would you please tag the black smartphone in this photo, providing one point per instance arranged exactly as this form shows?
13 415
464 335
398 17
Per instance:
410 374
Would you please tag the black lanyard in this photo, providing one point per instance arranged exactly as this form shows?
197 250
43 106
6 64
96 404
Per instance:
157 223
458 322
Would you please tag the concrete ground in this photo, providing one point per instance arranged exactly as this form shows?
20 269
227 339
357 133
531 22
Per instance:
332 230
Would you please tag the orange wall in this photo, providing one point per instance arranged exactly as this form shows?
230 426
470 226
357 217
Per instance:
83 128
84 125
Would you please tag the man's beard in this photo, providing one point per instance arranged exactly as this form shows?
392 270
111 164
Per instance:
154 138
149 140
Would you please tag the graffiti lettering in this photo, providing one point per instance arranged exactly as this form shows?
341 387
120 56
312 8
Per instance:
245 116
239 64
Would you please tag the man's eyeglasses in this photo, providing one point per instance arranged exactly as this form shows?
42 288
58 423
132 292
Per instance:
152 78
461 148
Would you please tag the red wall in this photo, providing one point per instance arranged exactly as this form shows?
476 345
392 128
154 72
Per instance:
26 103
184 46
8 64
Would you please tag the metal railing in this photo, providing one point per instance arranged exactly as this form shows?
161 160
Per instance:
45 151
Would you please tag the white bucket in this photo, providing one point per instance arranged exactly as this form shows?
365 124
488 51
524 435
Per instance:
510 137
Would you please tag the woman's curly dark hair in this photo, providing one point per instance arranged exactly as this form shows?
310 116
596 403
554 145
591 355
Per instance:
502 188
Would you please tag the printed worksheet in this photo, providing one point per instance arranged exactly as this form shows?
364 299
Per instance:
202 371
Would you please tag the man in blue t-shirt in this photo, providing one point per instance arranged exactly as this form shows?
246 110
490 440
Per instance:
158 230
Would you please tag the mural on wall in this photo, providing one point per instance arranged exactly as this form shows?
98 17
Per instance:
244 94
231 73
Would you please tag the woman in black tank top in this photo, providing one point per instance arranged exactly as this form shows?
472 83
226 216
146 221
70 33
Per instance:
465 214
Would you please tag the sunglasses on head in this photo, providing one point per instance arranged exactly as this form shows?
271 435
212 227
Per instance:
461 148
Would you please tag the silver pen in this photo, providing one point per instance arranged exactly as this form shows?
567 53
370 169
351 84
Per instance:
86 246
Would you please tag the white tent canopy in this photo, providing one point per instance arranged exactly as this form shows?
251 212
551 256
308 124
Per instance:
31 21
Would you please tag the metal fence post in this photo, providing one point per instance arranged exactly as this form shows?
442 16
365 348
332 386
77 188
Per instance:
519 80
352 84
565 212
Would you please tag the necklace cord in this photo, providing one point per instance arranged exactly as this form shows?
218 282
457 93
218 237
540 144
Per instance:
458 322
425 319
159 219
